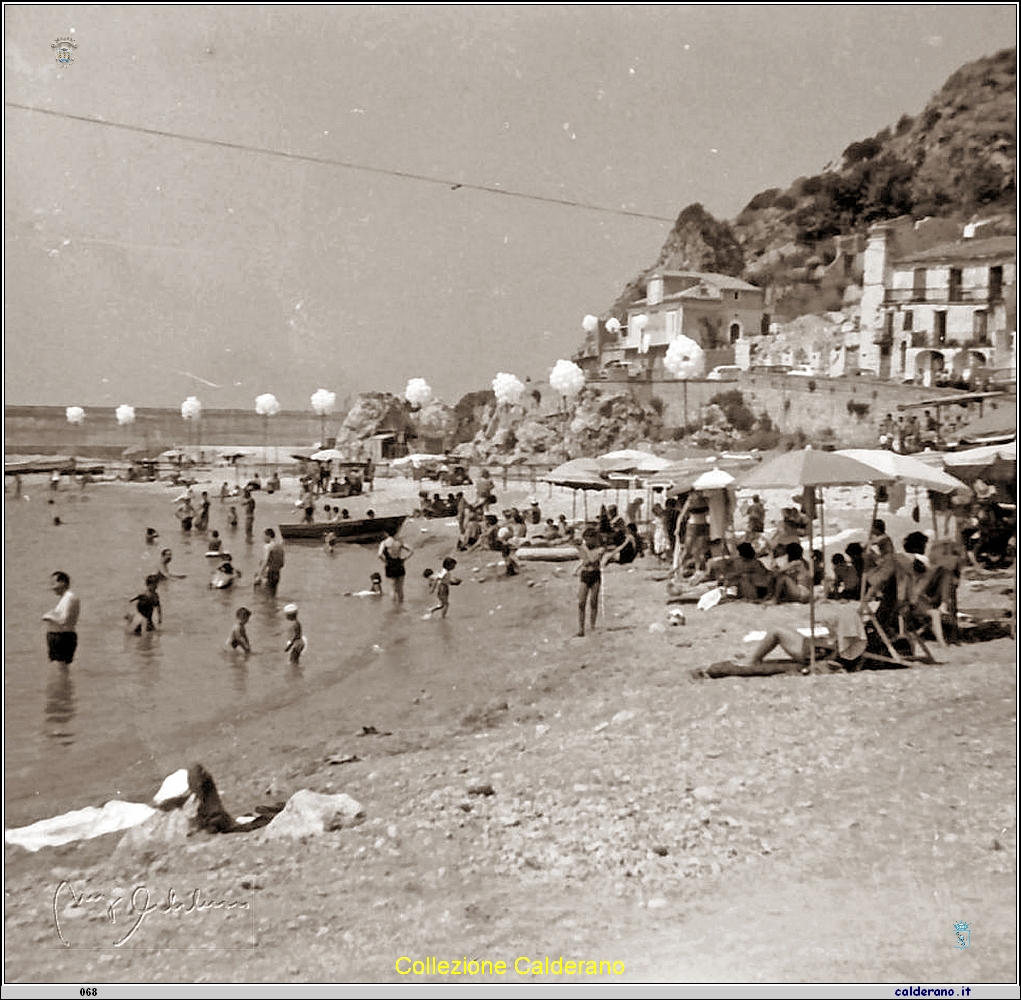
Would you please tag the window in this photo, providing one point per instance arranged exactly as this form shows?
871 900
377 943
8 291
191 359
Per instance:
909 320
918 289
980 327
888 328
940 321
735 332
764 325
955 284
996 283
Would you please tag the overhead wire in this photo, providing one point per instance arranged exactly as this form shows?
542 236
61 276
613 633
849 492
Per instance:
454 185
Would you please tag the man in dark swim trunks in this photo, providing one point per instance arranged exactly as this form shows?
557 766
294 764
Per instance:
61 637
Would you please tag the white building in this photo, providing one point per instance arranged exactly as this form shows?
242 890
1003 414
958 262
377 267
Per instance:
938 313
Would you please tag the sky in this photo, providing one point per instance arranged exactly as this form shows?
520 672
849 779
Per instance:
224 201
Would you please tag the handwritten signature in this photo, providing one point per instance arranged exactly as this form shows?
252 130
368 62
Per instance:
139 905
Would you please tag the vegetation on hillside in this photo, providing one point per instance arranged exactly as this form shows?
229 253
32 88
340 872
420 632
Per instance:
956 159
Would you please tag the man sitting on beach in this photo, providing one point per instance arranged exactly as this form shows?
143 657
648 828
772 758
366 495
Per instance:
840 642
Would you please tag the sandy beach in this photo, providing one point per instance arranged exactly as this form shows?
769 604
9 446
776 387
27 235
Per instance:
531 795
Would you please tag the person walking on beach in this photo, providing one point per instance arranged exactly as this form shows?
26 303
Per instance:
272 562
62 621
393 553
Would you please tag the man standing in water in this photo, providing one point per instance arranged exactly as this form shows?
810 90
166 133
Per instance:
61 637
272 562
248 502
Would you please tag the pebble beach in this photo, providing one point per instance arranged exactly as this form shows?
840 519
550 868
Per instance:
526 793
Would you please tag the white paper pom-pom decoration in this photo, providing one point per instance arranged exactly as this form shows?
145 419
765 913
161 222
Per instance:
125 414
639 322
613 326
590 323
75 415
567 378
508 388
267 405
418 392
684 358
191 408
323 401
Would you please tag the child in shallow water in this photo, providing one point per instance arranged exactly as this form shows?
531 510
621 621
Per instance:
296 641
375 588
444 581
239 635
146 605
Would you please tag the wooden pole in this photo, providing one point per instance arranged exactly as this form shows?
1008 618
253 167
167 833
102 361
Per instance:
811 594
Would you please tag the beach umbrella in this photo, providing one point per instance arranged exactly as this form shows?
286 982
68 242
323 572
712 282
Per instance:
125 414
579 474
904 469
631 460
808 470
328 455
75 416
798 469
714 479
995 463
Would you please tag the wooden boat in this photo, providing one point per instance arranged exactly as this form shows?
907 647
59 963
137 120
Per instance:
366 529
551 553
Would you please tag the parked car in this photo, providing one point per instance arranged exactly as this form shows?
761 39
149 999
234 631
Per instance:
616 369
770 369
724 373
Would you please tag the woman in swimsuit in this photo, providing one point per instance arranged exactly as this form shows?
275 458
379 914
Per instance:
591 554
394 553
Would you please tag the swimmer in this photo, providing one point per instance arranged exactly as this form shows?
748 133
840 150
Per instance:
329 542
238 636
215 542
375 588
295 639
224 575
232 518
164 571
151 534
146 605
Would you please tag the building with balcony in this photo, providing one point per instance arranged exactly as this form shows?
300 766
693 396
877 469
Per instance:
714 310
944 313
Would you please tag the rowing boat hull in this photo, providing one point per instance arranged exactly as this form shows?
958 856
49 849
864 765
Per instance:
360 531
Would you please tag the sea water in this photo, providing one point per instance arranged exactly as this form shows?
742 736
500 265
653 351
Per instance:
72 734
